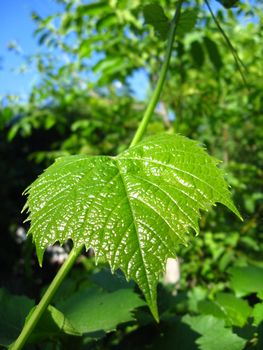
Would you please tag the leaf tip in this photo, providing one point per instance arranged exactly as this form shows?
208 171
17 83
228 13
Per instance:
155 313
40 254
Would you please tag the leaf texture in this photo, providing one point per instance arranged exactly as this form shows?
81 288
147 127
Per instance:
133 209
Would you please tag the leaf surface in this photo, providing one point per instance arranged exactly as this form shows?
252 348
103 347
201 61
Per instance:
246 279
13 310
233 310
133 209
52 324
92 310
214 335
258 313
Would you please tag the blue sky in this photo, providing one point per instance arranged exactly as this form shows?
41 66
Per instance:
16 25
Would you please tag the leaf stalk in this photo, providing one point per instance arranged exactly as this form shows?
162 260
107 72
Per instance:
46 299
159 87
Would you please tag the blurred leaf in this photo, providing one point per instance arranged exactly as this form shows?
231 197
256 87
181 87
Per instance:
93 310
93 9
207 307
196 295
197 53
155 16
187 21
258 314
237 311
13 311
52 325
228 3
13 132
214 335
213 53
246 280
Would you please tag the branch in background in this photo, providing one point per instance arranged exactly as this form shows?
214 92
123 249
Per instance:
237 59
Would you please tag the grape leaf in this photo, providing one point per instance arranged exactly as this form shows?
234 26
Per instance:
233 310
53 324
13 310
214 335
246 280
237 310
92 310
133 209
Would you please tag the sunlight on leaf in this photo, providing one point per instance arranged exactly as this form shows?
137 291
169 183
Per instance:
133 209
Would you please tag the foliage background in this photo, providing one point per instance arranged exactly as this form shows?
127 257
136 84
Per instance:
87 105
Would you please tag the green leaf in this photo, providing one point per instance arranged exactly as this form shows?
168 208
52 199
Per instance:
236 310
133 209
93 9
93 310
52 324
110 282
246 280
187 21
227 306
213 53
197 53
155 16
228 3
208 307
13 310
258 314
214 335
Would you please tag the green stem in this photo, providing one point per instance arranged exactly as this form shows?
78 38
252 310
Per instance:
46 299
237 59
157 92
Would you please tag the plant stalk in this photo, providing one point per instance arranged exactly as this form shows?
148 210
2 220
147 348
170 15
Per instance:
46 299
238 61
158 89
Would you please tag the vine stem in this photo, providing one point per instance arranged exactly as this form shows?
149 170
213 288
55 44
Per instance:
158 89
66 267
237 59
46 299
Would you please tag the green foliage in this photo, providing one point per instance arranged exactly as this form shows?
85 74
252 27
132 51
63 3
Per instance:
187 21
233 310
210 329
154 15
52 325
258 314
142 202
13 311
78 108
92 310
228 3
213 53
246 280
